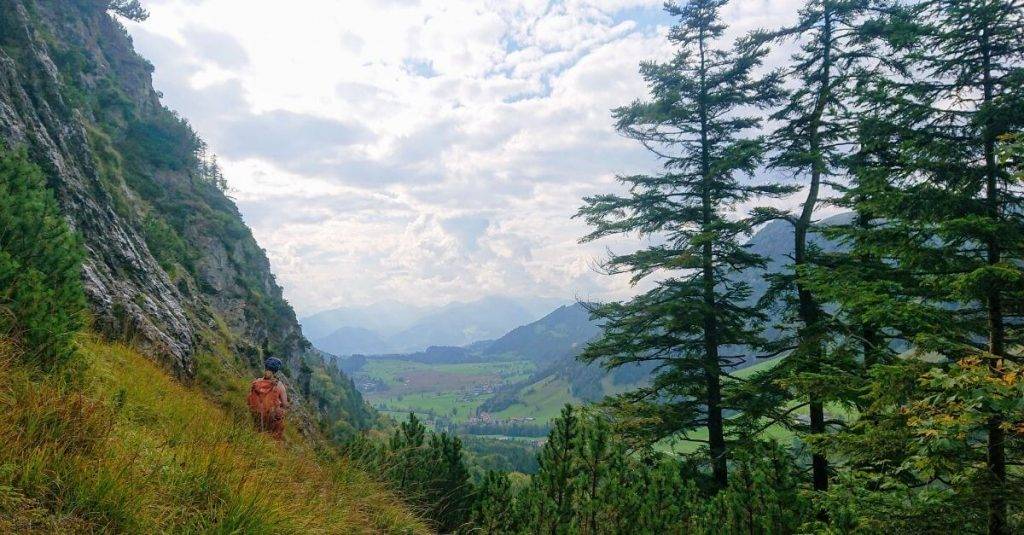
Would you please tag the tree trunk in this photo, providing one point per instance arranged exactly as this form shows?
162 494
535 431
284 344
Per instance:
712 367
996 458
808 307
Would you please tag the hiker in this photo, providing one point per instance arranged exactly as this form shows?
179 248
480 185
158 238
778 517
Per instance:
268 400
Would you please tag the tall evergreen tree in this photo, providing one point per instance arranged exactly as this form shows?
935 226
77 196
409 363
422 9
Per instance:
809 145
554 484
695 122
944 215
493 507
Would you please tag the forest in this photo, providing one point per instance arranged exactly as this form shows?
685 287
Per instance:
899 374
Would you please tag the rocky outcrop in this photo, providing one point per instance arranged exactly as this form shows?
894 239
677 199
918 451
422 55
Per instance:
129 292
170 264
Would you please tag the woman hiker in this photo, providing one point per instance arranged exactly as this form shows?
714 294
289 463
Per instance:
268 400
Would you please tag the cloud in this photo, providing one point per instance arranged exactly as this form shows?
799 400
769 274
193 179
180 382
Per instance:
467 230
287 138
220 48
425 151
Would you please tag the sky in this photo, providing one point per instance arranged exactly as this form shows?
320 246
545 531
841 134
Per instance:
424 151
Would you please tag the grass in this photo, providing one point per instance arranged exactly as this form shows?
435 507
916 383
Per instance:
440 404
118 446
778 432
543 401
390 368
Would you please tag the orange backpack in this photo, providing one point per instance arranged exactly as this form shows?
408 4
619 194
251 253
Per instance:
265 403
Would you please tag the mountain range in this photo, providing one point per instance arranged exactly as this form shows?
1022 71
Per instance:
393 327
554 341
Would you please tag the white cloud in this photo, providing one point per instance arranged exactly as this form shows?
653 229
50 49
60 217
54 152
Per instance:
426 151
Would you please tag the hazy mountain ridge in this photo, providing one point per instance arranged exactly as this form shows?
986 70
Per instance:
390 327
774 242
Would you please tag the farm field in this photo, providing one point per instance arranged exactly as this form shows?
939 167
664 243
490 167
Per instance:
543 401
451 391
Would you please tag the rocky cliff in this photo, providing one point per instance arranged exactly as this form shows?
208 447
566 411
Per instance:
170 264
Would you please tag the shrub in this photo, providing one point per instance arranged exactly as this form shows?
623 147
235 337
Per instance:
42 302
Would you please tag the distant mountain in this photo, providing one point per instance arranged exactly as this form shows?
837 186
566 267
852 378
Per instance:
353 341
390 327
384 318
564 331
556 356
463 323
554 341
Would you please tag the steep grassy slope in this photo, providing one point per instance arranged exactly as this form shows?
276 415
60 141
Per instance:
119 446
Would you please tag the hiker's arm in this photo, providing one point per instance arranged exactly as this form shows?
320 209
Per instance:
286 403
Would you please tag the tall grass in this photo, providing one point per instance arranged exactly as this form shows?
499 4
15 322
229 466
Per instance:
129 450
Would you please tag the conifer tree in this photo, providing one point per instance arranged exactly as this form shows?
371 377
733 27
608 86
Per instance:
554 484
809 145
129 9
944 217
691 322
42 301
494 505
594 452
449 491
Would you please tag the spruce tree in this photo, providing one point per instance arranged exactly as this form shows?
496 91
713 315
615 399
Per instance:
809 146
944 216
691 323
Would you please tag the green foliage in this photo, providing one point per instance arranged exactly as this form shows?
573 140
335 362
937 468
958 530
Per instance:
489 454
165 244
809 145
553 486
426 468
590 483
935 256
696 323
42 302
493 509
129 9
342 408
164 141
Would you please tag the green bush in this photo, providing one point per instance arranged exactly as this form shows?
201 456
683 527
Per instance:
42 302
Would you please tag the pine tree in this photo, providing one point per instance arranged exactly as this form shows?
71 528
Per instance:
42 301
554 485
695 123
593 454
129 9
494 506
449 491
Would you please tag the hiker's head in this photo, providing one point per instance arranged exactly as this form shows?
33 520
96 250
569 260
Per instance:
272 366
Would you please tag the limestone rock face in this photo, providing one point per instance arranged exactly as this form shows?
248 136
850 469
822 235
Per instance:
129 292
170 264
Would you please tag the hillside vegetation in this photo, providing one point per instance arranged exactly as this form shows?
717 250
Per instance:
133 450
99 438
